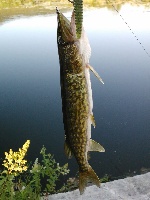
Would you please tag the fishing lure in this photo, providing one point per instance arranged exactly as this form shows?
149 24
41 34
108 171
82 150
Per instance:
78 11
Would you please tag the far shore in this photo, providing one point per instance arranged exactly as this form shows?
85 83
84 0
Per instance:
43 8
38 9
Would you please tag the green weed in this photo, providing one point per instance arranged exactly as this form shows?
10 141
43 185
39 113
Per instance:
20 180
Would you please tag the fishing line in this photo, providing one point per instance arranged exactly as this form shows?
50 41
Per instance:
130 29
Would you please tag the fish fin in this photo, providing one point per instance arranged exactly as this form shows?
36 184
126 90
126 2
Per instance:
95 146
95 73
87 176
88 155
93 120
68 151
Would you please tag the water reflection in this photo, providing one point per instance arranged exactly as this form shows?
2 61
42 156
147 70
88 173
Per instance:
30 103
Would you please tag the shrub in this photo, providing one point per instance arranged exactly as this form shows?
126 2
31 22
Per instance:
20 181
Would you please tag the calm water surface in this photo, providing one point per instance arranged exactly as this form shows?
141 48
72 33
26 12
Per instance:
30 101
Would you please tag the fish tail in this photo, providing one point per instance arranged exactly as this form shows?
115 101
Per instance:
87 176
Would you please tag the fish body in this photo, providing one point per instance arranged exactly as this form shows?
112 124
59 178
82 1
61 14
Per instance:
76 96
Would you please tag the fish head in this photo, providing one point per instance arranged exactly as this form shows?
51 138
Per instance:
66 35
66 29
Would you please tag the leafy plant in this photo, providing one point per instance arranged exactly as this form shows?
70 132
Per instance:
20 181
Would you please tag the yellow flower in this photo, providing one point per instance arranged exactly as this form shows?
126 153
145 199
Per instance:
14 160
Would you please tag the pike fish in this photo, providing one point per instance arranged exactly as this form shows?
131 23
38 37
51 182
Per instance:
76 96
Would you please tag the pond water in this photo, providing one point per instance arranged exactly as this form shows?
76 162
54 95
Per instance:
30 101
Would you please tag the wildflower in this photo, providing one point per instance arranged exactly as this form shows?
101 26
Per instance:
14 161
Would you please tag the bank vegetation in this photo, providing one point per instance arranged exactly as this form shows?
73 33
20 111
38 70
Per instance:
93 3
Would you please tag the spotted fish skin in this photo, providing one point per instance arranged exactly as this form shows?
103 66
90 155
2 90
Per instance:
76 96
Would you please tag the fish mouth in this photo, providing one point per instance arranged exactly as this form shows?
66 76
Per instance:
66 28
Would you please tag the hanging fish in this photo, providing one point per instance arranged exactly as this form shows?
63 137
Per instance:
78 12
76 96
